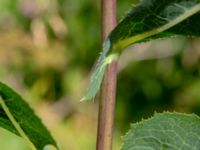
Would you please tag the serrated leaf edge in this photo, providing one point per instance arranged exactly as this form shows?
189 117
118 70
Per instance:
134 125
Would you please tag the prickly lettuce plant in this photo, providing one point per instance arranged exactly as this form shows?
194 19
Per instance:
150 20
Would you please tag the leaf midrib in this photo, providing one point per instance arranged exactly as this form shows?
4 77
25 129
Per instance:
126 42
15 124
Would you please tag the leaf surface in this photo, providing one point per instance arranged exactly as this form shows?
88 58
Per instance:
150 19
17 117
167 131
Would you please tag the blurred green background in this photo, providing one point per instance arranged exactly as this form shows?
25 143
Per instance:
47 49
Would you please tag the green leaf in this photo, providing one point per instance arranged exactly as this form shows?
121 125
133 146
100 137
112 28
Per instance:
17 117
164 131
153 19
150 19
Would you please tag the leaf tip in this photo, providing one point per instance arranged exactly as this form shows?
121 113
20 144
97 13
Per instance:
84 99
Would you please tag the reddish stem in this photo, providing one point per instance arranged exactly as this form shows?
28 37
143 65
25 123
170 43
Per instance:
108 91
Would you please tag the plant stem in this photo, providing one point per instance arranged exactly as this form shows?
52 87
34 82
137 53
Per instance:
108 91
108 17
